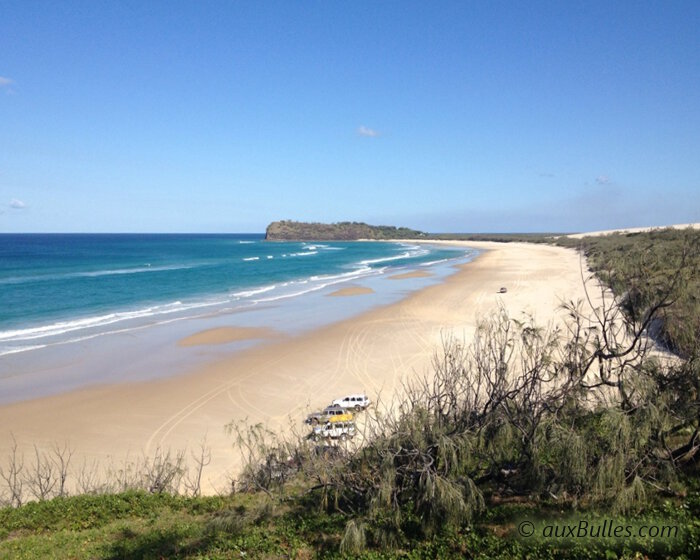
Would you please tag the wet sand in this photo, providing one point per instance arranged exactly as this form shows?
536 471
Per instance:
224 335
412 274
352 291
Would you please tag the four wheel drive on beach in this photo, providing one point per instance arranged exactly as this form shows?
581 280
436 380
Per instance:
334 430
329 414
356 402
336 421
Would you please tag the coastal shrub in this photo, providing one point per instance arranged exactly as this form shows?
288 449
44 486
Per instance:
268 459
649 267
354 540
49 473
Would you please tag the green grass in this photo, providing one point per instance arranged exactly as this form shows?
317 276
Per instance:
103 526
140 525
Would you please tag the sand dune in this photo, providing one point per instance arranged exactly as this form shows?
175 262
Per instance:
632 230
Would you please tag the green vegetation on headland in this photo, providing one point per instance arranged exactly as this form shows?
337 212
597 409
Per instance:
288 230
523 425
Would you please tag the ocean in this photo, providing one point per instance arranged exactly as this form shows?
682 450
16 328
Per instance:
62 289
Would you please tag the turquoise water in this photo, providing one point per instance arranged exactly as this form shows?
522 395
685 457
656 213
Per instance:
57 289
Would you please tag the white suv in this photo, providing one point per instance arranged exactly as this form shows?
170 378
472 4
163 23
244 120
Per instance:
356 402
335 430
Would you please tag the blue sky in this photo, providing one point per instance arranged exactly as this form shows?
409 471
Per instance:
443 116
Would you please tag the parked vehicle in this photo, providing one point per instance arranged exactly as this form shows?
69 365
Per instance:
329 414
503 290
335 430
356 402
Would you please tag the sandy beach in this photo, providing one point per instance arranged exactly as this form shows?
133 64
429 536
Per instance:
352 291
276 381
412 274
224 335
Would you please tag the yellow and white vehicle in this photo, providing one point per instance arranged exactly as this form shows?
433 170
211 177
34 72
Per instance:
329 414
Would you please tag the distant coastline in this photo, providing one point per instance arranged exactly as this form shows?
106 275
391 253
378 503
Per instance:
289 230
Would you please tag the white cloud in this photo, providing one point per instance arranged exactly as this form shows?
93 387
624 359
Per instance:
6 85
602 180
17 204
368 132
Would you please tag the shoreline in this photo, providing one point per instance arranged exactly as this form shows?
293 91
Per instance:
276 381
134 297
145 349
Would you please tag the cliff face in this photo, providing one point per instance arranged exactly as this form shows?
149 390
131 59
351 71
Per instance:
344 231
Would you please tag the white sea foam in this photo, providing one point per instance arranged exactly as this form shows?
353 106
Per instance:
256 291
289 295
147 268
247 259
402 256
92 274
316 283
63 327
347 275
17 349
311 288
6 351
306 254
